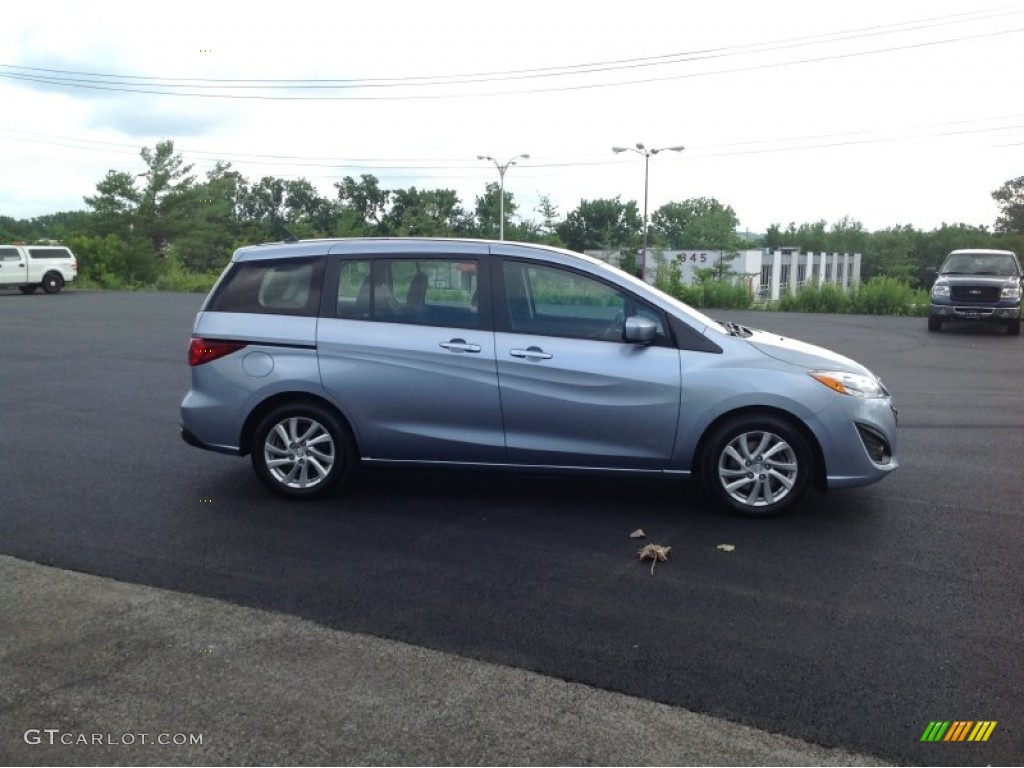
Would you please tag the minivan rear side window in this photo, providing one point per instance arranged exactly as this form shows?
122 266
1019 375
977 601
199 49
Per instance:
272 287
438 291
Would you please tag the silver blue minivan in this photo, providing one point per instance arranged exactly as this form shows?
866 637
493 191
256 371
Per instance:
313 356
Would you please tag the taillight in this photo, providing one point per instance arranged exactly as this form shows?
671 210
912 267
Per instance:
204 350
74 265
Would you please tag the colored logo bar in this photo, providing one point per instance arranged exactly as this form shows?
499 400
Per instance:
959 730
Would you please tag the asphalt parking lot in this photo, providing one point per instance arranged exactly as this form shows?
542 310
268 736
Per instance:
852 622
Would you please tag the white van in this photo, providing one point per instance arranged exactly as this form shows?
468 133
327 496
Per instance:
27 267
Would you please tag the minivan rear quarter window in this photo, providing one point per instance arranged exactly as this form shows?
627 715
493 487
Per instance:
272 287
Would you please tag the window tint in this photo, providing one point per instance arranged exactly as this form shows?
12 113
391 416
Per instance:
9 254
354 290
49 253
285 287
423 291
557 302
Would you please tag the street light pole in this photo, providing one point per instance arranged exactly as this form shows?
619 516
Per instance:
640 149
502 168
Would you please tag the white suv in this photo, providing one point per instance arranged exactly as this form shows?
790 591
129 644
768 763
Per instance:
27 267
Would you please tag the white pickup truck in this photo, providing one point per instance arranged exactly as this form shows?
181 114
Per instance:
27 267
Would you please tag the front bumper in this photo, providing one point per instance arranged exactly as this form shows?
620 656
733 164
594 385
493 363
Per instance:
859 441
996 312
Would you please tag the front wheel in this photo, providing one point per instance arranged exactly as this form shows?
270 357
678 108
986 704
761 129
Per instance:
1013 327
53 282
934 323
302 451
757 465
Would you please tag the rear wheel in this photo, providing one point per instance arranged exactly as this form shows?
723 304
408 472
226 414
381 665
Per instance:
1013 328
934 323
53 282
757 465
302 450
27 289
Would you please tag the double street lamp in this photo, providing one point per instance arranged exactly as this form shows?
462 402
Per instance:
640 149
502 168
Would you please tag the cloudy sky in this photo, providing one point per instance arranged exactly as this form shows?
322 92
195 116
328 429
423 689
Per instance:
887 112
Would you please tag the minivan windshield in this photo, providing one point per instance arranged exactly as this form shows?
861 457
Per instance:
999 264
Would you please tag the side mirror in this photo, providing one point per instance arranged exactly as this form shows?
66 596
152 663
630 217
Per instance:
640 330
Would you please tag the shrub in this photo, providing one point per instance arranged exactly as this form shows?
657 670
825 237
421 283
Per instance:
709 293
827 298
889 296
878 296
176 278
721 295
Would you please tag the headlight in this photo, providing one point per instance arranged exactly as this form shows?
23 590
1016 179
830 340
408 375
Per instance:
853 384
940 290
1011 291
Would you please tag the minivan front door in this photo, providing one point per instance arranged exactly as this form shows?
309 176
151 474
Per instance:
573 393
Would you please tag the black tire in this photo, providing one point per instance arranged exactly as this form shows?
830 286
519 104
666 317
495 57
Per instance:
53 282
1013 327
27 289
765 459
328 456
934 323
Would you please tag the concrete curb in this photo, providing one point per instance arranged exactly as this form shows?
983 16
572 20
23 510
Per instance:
96 671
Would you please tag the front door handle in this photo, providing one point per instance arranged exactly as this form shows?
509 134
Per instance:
532 353
460 345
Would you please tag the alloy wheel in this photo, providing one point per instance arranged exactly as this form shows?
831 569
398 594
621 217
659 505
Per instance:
758 468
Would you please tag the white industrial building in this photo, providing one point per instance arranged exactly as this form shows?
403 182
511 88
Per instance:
768 274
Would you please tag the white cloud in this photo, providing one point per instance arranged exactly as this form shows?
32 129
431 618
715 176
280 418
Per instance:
921 131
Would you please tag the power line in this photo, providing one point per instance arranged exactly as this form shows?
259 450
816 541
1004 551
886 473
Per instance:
758 146
503 75
118 85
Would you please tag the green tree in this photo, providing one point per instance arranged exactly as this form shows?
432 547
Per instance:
605 224
426 213
811 238
700 222
262 204
892 253
846 236
488 212
169 199
104 259
115 205
1010 199
934 246
125 253
773 238
362 205
214 228
547 229
50 226
307 210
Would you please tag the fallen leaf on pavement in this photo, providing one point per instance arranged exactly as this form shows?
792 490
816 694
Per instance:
638 534
654 553
727 547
